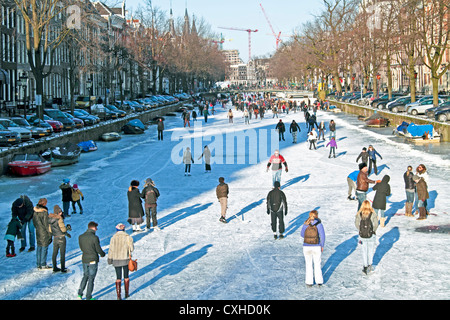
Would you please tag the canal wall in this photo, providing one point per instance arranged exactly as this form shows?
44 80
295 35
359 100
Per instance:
395 119
84 134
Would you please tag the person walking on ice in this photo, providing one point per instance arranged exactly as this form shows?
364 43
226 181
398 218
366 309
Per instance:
222 195
277 208
313 234
277 161
333 146
187 160
366 223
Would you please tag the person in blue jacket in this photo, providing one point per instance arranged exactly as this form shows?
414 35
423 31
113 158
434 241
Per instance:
351 181
313 234
373 159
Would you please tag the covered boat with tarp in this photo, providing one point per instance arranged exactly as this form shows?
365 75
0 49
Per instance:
423 133
402 129
134 127
87 146
66 154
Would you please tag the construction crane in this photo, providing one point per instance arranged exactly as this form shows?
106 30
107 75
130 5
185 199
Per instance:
249 39
277 36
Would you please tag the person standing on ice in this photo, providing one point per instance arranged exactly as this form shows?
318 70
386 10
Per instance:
90 247
362 184
43 236
151 194
58 230
276 161
333 146
321 129
366 223
135 211
312 138
382 191
222 195
207 154
410 190
332 128
422 194
421 171
119 254
246 121
22 208
277 208
373 159
160 129
351 182
281 129
313 234
66 190
187 160
230 116
77 196
12 231
293 130
364 156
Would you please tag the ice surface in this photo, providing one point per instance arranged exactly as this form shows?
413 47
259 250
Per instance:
195 256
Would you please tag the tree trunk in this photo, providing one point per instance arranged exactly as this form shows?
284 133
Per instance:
435 82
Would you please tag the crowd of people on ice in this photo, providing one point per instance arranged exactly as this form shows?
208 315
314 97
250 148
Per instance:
44 227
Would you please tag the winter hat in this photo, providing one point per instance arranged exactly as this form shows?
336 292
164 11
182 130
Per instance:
362 165
66 180
56 209
276 184
120 227
75 186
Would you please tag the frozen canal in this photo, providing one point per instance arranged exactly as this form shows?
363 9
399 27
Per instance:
196 257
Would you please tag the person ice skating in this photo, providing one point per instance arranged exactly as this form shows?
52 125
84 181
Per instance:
187 160
13 230
312 138
332 128
151 194
246 115
321 129
186 118
160 127
333 147
135 211
351 182
22 208
58 230
362 184
382 191
312 122
410 188
422 195
277 208
364 156
373 159
91 250
230 116
281 129
222 195
366 223
119 253
293 130
205 113
313 234
77 196
43 236
66 190
277 161
207 155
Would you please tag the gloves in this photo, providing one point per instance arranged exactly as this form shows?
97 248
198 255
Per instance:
68 235
82 198
286 169
69 227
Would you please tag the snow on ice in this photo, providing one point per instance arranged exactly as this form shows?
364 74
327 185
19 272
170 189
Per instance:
196 257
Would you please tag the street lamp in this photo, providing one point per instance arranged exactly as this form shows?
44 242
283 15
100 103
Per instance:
22 83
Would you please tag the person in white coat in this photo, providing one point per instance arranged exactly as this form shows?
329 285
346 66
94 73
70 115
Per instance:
312 138
187 160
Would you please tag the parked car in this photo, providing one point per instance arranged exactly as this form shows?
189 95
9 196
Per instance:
24 134
120 113
78 122
82 101
41 124
381 102
57 126
36 132
88 120
422 106
8 137
442 113
399 105
104 113
58 115
87 114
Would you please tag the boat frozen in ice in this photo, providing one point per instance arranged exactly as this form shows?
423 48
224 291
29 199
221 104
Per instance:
29 164
63 155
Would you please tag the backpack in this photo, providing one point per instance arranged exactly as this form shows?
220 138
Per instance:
366 227
311 235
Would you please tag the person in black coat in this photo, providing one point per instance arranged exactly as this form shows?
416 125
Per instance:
312 121
277 208
382 191
410 188
281 129
66 189
135 210
293 130
22 208
160 129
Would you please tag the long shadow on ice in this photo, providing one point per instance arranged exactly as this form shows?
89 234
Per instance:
341 252
182 213
386 242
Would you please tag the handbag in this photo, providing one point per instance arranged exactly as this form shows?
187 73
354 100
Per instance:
132 264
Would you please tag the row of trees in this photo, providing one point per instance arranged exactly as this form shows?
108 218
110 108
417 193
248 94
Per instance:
143 49
357 39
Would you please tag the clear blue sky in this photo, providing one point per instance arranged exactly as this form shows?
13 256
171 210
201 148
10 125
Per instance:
284 15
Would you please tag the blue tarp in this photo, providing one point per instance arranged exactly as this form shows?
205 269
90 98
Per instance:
403 127
87 146
419 130
137 123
